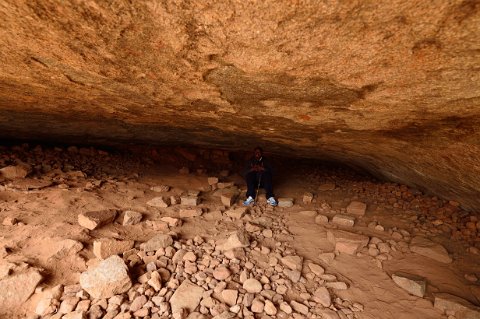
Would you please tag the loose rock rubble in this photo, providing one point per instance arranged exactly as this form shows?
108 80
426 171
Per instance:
243 264
183 278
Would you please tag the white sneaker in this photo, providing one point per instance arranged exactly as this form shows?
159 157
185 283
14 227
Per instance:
248 201
272 201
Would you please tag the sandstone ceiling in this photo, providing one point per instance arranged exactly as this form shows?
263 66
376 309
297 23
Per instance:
391 86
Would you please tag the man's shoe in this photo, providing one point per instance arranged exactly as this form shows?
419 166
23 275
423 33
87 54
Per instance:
272 201
248 201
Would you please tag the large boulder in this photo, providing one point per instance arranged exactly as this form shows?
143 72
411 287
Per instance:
108 278
186 296
16 289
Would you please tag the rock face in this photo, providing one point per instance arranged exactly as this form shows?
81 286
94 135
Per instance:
393 88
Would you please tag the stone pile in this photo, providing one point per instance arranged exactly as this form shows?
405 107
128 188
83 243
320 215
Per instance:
232 277
23 168
428 214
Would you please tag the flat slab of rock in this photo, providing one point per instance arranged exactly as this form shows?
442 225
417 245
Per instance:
460 307
415 285
228 198
326 187
328 314
356 208
346 242
285 202
308 213
160 188
107 279
159 202
16 289
428 248
236 213
234 240
189 200
293 262
212 180
190 212
29 183
327 258
338 285
299 307
157 242
131 217
293 275
225 185
171 221
65 247
316 269
14 172
187 296
106 247
322 296
229 296
343 220
95 219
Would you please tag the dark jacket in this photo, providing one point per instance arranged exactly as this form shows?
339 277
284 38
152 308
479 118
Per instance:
253 161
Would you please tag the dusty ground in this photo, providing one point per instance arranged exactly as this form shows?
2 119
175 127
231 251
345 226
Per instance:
76 181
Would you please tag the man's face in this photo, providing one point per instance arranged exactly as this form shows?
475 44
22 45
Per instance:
258 154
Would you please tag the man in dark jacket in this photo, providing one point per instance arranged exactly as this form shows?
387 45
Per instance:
258 172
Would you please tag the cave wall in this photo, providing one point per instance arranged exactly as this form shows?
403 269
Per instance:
390 86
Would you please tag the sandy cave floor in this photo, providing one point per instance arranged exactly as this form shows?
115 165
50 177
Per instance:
78 182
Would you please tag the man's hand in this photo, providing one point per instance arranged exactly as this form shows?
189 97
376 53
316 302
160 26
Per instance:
257 168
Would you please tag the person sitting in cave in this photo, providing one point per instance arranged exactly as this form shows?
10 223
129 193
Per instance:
258 173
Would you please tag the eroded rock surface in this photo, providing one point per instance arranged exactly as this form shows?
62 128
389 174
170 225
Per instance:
392 87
